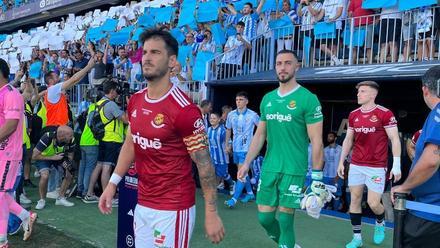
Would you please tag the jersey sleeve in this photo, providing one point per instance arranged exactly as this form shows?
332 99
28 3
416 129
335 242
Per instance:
313 112
256 119
262 110
350 121
432 133
13 106
389 120
54 93
229 121
191 127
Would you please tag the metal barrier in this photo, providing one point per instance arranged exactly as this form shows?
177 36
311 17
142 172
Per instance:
359 40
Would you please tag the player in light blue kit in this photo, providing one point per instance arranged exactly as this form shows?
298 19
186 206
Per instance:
217 148
241 123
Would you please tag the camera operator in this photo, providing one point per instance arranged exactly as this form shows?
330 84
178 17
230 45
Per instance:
109 146
55 149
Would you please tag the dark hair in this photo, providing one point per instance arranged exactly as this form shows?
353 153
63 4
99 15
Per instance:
4 69
67 51
109 85
121 48
284 51
242 94
240 23
431 80
171 43
205 103
216 114
372 84
334 133
226 107
249 4
48 76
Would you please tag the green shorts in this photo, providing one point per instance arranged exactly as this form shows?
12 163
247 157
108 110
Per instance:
278 189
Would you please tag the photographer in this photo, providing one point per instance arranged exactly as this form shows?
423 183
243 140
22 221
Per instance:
113 119
55 149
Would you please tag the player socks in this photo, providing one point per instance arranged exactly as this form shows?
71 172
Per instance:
4 215
248 186
287 235
356 222
239 186
270 224
13 206
228 179
380 218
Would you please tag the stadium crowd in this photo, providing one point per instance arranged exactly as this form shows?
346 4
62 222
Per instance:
74 153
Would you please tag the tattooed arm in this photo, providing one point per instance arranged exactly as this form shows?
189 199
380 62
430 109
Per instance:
425 168
213 224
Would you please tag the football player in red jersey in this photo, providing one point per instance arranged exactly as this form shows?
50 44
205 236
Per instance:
166 131
369 128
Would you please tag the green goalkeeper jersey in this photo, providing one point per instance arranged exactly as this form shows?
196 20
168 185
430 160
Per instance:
286 120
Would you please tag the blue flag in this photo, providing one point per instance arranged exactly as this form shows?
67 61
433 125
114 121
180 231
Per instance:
271 5
218 34
325 30
3 37
187 15
306 49
119 38
408 4
128 29
94 34
109 25
238 5
146 20
208 11
177 34
35 69
185 52
358 37
199 70
162 15
137 33
281 27
377 4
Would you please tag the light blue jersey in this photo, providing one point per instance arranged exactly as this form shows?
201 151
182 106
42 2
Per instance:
242 125
250 25
217 144
331 159
256 169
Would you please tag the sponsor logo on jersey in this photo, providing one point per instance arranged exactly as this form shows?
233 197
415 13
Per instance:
279 117
376 179
198 123
318 113
373 118
356 120
130 212
365 130
269 105
280 100
146 111
134 114
158 121
145 143
292 105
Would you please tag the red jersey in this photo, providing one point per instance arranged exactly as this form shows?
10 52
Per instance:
370 138
416 136
357 11
164 132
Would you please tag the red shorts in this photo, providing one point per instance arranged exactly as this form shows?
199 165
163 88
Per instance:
8 173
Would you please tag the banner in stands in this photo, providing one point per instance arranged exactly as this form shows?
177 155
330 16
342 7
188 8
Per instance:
33 8
127 204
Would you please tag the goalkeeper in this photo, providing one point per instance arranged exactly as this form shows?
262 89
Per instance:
54 149
290 116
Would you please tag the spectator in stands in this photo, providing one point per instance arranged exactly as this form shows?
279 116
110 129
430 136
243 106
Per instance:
309 11
100 75
409 22
190 41
331 12
55 149
425 33
207 44
66 63
390 31
122 65
234 50
35 69
249 18
51 63
55 100
111 143
199 33
181 78
135 56
291 12
363 20
79 64
228 20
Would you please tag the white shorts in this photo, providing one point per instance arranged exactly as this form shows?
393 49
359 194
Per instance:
161 228
372 177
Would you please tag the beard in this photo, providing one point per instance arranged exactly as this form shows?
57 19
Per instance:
157 74
286 78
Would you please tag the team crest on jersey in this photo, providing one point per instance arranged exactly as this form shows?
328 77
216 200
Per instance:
157 122
292 105
373 118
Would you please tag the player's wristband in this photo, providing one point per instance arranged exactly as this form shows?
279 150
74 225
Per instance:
396 162
115 179
317 175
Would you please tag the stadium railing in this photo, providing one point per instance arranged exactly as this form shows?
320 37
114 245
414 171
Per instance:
350 47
